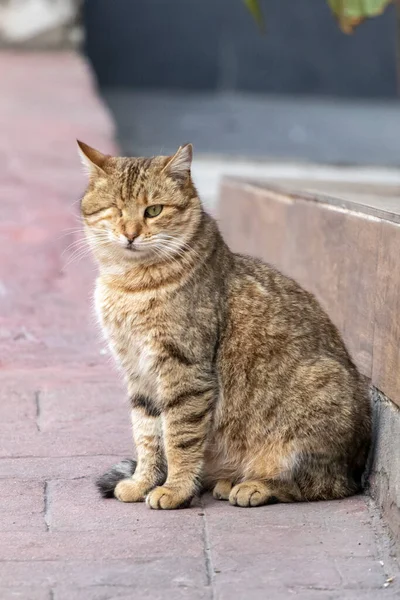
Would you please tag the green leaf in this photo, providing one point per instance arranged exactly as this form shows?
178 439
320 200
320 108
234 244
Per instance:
351 13
255 9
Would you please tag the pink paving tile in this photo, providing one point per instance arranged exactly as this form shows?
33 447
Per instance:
22 505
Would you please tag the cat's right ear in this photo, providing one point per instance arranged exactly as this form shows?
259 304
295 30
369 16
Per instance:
93 161
178 165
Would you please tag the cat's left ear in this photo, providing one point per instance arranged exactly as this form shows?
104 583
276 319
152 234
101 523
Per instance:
92 160
178 165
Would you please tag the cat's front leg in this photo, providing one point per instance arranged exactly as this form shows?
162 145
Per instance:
151 469
186 419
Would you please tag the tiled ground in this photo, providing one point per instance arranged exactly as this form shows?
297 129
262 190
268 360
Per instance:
63 417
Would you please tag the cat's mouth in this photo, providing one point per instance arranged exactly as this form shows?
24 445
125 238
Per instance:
133 250
131 247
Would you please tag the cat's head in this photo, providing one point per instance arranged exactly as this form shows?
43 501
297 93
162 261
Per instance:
139 209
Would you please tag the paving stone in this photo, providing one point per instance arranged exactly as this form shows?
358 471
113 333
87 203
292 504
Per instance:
69 442
73 420
22 506
141 572
253 592
306 541
42 468
77 506
20 594
122 593
18 408
311 528
83 405
292 572
132 542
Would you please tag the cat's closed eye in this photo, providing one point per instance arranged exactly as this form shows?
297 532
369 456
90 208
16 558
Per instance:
153 211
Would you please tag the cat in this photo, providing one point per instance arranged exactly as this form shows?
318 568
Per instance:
238 381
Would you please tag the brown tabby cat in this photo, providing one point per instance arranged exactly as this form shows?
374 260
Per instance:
238 380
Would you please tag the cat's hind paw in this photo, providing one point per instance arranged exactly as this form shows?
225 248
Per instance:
222 489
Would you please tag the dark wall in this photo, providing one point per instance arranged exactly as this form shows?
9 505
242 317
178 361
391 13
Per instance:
214 45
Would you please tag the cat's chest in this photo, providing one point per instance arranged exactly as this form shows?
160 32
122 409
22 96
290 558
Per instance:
128 325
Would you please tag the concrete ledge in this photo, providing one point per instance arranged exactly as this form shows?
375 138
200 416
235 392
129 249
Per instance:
385 472
343 246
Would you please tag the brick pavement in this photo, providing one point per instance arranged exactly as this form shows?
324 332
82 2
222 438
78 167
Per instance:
63 417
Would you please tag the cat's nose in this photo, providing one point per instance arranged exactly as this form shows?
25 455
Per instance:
130 231
131 238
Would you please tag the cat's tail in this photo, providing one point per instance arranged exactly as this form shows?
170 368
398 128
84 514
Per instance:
106 483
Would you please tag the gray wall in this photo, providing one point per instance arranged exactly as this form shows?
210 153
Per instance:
214 44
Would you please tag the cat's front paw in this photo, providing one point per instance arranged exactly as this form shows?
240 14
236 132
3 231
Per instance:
167 498
129 490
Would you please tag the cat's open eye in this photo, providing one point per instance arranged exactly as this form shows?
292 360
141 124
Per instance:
153 211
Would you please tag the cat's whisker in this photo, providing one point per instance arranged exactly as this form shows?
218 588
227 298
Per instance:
144 243
178 251
74 260
185 246
173 245
176 241
80 252
77 257
158 252
79 243
81 226
181 244
78 240
170 255
71 230
71 233
74 247
77 251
